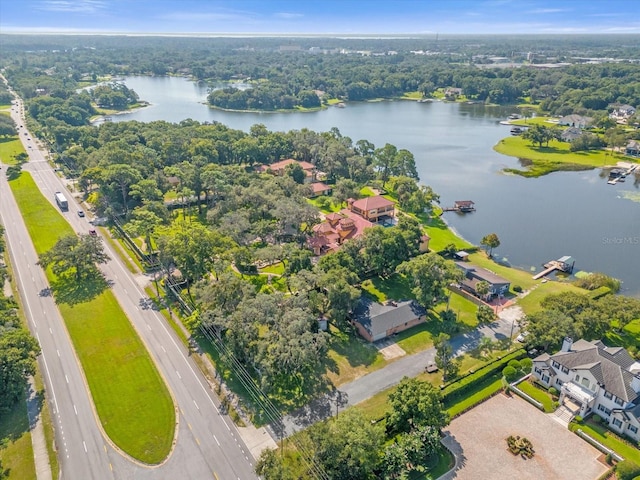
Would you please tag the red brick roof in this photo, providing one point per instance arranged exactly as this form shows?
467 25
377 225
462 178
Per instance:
369 203
320 187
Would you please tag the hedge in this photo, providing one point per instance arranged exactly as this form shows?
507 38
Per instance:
460 386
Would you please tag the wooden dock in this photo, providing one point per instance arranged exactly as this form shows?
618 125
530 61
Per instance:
564 264
462 206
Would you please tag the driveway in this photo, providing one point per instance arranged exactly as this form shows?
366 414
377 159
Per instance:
478 438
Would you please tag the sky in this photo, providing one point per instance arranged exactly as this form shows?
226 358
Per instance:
335 17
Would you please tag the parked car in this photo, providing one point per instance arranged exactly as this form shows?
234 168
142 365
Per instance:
522 337
92 232
80 213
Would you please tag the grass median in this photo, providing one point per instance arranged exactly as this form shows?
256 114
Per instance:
130 396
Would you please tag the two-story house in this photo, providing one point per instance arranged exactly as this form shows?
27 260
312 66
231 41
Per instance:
373 209
594 378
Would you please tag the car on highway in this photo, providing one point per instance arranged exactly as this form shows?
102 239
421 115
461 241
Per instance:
92 232
81 213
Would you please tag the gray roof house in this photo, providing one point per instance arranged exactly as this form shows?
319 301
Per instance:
570 134
633 148
575 120
594 378
473 274
376 321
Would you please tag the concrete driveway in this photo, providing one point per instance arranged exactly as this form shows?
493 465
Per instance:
478 438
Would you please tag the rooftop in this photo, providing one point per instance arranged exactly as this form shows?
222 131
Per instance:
370 203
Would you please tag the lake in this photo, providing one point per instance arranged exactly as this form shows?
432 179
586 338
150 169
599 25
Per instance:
536 219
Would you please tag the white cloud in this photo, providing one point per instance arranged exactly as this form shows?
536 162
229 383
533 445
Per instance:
544 11
224 15
73 6
288 15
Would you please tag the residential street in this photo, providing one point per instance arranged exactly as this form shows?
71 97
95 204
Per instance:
368 385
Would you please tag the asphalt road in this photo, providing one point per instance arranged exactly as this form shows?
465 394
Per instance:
207 444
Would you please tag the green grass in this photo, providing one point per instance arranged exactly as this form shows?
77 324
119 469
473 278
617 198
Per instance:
351 357
16 451
132 401
555 157
604 436
325 207
276 269
442 236
537 394
9 148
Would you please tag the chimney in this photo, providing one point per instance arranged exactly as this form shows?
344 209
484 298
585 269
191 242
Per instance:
566 344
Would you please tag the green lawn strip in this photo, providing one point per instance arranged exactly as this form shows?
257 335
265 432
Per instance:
9 148
604 436
556 156
537 394
478 393
629 337
325 204
132 401
126 255
276 269
442 236
47 423
16 451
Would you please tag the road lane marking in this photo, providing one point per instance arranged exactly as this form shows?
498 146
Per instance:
163 349
85 446
58 351
216 439
66 378
194 402
75 409
216 475
46 367
50 331
111 467
189 425
197 441
178 373
148 326
226 424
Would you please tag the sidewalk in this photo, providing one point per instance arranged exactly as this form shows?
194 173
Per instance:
40 455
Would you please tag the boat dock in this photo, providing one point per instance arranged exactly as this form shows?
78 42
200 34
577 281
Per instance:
564 264
619 174
462 206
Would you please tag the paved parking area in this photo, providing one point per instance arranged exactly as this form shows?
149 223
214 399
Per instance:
389 349
479 439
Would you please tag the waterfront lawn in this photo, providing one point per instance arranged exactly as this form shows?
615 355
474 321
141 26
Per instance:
442 236
557 156
132 401
604 436
537 394
10 147
16 451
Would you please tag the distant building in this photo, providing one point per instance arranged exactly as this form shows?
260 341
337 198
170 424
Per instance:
594 378
279 168
574 120
376 321
336 228
633 148
319 188
570 134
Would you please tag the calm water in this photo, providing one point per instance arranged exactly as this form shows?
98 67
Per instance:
537 220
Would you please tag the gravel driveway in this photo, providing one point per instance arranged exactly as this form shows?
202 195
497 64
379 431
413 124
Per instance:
479 439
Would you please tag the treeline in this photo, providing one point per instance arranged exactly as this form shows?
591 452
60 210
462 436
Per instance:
284 79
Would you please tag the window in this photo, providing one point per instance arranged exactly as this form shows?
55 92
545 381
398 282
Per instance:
617 422
585 382
608 395
604 409
619 401
555 364
565 370
577 378
633 428
538 371
545 378
558 381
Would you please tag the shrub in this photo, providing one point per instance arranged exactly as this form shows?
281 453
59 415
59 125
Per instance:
627 470
520 446
509 373
515 364
578 419
596 418
526 364
517 288
553 391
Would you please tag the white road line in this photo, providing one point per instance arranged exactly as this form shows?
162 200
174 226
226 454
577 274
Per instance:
58 352
178 373
148 326
163 349
226 424
75 409
66 378
216 439
194 402
50 331
85 446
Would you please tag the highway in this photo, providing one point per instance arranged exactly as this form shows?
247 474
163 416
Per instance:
208 444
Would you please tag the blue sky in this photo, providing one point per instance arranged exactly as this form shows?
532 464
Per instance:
321 16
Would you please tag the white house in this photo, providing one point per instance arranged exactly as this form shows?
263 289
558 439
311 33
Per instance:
594 378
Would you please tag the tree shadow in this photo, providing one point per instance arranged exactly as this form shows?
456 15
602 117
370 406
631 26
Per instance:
356 351
15 422
71 291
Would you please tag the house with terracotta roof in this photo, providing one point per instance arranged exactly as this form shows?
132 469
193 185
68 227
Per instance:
373 209
319 188
279 168
594 378
335 229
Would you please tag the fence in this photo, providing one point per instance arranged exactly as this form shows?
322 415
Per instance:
598 445
514 388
